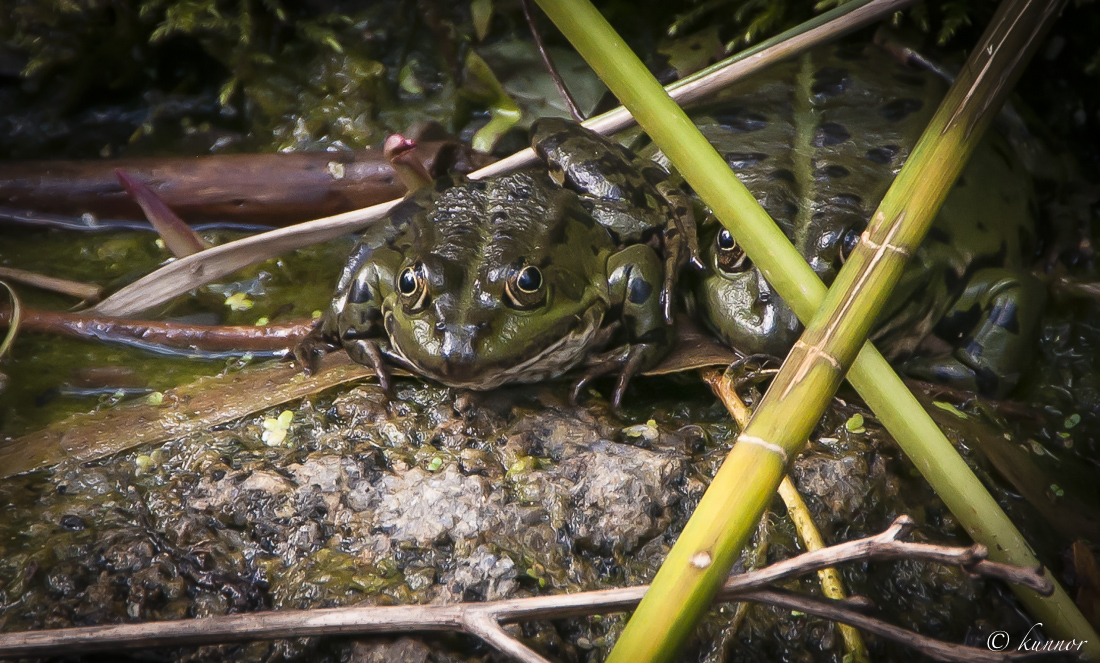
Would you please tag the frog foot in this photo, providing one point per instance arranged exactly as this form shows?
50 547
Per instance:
681 238
627 361
992 325
311 348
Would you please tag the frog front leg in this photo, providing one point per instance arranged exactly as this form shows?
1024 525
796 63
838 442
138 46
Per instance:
360 316
632 197
355 317
635 275
682 237
325 337
993 325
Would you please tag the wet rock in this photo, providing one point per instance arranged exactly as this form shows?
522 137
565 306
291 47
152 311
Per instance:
482 576
404 650
620 494
438 496
421 507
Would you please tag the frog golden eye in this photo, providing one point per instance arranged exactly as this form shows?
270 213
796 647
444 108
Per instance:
731 258
411 285
523 289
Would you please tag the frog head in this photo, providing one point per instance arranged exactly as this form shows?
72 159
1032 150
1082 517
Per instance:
501 281
737 303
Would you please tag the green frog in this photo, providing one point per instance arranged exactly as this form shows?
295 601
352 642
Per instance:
818 141
522 277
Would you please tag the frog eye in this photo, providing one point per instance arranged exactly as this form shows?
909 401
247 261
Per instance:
412 286
732 259
523 289
849 243
529 279
407 282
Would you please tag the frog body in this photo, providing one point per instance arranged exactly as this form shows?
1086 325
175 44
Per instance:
818 141
517 278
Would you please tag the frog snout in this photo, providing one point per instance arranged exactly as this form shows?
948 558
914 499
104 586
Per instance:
457 348
458 343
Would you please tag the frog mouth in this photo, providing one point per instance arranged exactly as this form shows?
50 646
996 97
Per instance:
550 362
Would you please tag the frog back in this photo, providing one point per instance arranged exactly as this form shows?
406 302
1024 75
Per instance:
818 141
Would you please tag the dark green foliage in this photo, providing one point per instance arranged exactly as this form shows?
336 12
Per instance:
86 77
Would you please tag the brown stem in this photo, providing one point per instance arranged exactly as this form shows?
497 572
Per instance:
166 336
839 611
555 76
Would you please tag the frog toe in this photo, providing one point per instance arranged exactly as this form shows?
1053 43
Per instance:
367 353
627 361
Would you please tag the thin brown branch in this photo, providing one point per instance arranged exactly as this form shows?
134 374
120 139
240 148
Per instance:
1006 408
16 317
484 619
163 336
486 625
842 611
555 76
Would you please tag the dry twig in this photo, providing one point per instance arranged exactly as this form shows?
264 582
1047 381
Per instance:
85 291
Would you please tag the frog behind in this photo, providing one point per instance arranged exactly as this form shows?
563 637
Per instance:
818 141
519 278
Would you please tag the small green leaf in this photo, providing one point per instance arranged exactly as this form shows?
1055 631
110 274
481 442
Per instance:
481 11
143 464
947 407
855 424
275 430
647 431
239 302
408 80
227 90
1072 420
503 111
435 464
1057 490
